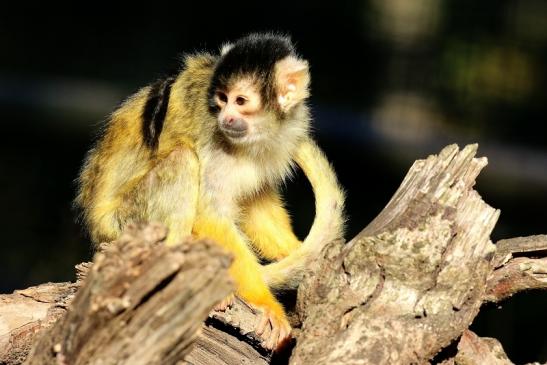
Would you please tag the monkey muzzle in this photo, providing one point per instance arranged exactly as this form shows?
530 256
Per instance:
234 127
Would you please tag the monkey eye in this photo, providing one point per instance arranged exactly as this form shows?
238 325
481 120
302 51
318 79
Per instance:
222 97
240 100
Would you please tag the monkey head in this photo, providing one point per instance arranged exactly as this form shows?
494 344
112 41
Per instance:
257 84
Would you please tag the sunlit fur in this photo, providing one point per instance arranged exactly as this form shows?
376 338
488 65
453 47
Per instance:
193 178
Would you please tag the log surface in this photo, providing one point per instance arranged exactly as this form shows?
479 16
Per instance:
141 303
405 288
412 281
25 313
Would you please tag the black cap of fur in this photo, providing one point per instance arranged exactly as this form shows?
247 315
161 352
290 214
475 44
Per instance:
254 55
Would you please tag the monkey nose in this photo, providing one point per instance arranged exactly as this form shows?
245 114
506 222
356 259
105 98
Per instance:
234 127
238 125
235 124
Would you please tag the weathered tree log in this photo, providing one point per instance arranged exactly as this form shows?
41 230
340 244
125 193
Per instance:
225 338
474 350
403 289
514 273
136 267
409 283
25 313
139 304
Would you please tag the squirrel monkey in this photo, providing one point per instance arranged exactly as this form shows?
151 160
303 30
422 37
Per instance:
205 152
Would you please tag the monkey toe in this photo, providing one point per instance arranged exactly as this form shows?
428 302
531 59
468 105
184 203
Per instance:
225 303
273 329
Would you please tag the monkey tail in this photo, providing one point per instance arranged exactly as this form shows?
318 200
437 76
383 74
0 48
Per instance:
327 226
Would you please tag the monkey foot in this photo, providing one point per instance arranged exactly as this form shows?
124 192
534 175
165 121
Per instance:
274 329
225 303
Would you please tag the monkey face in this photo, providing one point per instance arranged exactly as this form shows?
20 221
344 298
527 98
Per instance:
240 112
252 101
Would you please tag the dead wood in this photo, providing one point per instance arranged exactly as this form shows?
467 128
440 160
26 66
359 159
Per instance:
475 350
141 303
25 313
399 292
514 272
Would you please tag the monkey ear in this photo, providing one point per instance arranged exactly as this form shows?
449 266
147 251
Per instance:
292 81
226 47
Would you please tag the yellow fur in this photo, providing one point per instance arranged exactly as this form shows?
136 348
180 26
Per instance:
245 268
119 163
268 226
328 224
196 183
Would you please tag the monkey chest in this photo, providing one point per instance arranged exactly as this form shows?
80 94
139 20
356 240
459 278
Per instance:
227 179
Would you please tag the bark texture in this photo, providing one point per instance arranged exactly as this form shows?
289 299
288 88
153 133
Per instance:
474 350
409 283
25 313
141 303
514 272
405 288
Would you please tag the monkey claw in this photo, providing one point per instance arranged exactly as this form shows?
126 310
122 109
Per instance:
274 330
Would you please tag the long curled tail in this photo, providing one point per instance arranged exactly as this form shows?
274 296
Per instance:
327 226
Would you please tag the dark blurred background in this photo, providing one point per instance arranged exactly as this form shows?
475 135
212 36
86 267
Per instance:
393 81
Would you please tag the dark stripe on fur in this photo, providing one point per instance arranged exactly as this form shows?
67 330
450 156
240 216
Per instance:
155 110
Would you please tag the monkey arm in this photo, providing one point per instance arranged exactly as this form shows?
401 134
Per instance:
245 269
267 224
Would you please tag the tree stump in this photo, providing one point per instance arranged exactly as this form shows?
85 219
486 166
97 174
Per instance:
402 290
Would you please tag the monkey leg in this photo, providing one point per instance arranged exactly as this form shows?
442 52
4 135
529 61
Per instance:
168 194
268 226
245 271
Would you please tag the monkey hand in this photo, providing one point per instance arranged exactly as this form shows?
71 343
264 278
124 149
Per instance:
273 327
225 303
